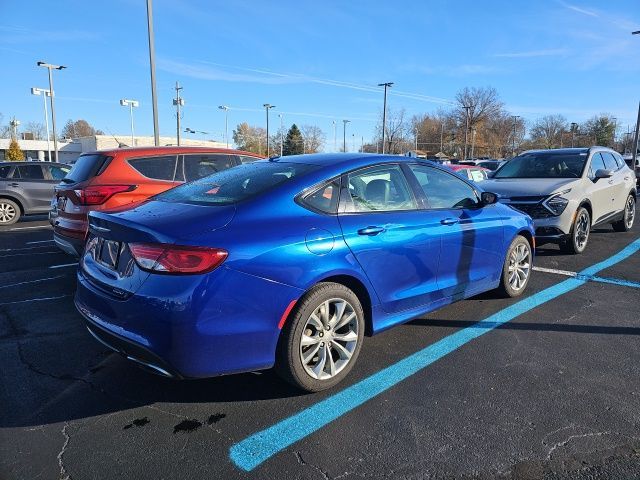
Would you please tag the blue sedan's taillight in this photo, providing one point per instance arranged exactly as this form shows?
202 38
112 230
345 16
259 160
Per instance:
176 259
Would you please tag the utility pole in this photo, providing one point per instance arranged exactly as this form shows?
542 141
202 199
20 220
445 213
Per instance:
353 140
152 66
466 130
441 135
473 140
51 67
416 139
226 122
384 112
513 145
178 102
267 107
344 134
574 125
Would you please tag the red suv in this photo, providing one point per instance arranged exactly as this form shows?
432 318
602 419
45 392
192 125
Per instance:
111 179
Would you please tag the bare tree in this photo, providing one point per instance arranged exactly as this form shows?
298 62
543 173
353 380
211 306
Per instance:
547 131
483 103
79 128
37 129
314 138
398 132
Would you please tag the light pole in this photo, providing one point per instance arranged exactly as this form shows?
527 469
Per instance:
634 147
267 107
441 135
152 67
384 111
45 93
574 125
416 139
466 129
344 134
52 67
353 141
178 102
131 104
614 120
226 122
281 117
335 141
513 144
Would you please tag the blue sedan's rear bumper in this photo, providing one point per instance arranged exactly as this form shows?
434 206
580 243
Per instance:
191 326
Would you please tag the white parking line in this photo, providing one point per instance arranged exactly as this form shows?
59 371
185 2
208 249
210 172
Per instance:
41 241
40 299
557 272
31 281
64 265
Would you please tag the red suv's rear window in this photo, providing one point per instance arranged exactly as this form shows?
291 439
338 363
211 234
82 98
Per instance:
86 166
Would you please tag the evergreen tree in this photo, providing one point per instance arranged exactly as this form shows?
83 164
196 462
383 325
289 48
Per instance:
293 142
14 153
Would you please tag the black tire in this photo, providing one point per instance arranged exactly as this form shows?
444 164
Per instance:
577 241
629 216
289 361
9 212
506 288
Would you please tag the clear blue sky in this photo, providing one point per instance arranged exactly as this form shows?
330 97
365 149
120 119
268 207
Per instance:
317 61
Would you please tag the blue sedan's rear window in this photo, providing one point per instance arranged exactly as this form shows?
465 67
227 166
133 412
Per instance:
236 184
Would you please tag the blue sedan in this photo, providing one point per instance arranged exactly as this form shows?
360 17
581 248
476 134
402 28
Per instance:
289 262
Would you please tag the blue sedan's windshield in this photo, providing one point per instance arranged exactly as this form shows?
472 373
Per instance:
235 184
544 165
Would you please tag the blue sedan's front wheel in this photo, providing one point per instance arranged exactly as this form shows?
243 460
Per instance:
516 270
322 338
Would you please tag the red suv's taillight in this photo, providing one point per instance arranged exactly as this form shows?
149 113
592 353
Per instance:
163 258
100 193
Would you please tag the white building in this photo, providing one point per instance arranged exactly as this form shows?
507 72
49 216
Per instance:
69 150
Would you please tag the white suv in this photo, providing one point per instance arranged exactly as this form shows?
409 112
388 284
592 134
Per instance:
568 191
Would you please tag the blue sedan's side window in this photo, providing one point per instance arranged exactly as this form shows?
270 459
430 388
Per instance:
444 190
379 189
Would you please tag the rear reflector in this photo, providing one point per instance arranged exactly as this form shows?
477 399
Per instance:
100 193
176 259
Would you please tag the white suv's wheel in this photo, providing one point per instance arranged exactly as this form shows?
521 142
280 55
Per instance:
629 216
579 236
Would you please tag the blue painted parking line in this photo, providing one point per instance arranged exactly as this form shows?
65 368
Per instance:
259 447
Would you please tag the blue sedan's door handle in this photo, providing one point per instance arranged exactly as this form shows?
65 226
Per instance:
371 230
449 221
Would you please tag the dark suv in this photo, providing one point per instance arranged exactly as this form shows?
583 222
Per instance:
27 188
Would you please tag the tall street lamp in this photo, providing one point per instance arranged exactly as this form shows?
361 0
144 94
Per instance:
466 129
226 122
45 93
131 104
52 67
267 107
384 112
152 67
634 147
344 134
335 138
281 133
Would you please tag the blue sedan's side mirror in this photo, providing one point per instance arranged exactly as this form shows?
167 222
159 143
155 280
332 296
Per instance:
488 198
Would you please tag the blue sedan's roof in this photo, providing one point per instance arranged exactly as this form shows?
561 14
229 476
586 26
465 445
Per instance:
350 160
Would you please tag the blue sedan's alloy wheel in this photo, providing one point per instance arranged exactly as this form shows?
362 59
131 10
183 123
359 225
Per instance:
322 338
517 267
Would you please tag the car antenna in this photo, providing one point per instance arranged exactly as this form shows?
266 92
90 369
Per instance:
120 144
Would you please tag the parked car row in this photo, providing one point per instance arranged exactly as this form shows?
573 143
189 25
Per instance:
195 263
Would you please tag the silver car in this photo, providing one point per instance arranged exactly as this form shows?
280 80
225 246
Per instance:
568 191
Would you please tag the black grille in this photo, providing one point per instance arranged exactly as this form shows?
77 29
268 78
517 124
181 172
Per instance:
534 210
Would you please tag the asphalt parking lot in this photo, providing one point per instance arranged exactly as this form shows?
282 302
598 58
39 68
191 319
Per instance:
553 393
